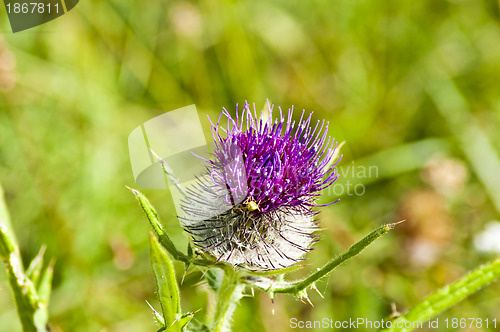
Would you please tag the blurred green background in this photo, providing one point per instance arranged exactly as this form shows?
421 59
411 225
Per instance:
411 86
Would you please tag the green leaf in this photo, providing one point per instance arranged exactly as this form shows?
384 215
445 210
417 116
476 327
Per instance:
159 318
168 290
150 211
44 287
21 287
8 244
5 217
450 295
41 316
35 269
182 321
157 226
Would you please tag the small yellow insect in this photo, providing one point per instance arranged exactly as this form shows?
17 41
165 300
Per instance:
251 205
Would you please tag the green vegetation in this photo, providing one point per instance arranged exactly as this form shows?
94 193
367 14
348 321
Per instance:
411 87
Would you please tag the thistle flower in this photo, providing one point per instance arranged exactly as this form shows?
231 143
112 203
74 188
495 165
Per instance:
253 206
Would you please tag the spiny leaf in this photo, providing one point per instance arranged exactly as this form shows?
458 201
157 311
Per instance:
450 295
159 318
168 291
157 226
21 287
182 322
150 211
214 279
159 231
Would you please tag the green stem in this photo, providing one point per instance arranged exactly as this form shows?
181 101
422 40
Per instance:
32 313
229 294
450 295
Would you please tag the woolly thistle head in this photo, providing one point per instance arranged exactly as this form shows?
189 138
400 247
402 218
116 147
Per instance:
253 205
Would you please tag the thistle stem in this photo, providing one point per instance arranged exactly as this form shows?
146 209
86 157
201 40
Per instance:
300 285
167 172
32 313
229 294
22 288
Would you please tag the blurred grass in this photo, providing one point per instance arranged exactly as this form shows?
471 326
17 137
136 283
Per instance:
74 88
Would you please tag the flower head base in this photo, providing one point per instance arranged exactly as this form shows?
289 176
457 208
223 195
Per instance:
252 207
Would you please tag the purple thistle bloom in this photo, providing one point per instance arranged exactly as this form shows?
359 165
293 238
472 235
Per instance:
253 206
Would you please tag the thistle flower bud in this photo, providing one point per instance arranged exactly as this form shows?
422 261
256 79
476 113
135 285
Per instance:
253 205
